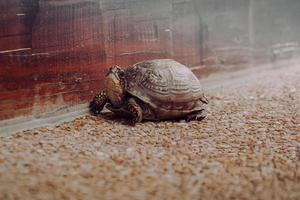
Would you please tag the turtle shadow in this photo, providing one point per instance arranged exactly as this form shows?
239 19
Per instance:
125 120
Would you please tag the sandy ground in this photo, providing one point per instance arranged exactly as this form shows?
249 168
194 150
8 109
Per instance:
247 148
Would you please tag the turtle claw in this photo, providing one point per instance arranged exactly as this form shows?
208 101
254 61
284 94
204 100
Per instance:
135 110
98 103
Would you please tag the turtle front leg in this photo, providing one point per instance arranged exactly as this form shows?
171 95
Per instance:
197 115
98 103
136 111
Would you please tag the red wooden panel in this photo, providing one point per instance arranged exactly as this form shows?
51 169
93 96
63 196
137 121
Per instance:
58 60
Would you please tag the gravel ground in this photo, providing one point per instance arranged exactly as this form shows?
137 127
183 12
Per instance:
247 148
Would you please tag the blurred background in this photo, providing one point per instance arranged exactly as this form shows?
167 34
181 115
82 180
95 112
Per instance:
54 53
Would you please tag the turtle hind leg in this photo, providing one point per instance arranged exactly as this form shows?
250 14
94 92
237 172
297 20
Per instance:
98 103
197 115
136 111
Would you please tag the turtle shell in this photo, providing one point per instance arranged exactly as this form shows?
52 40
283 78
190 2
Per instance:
165 85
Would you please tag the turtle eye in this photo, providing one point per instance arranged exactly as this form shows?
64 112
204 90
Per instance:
121 73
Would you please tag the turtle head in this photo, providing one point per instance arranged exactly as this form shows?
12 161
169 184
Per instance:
115 86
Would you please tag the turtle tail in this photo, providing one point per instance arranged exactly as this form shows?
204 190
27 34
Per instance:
204 100
98 103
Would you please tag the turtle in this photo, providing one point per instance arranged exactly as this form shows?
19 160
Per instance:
160 89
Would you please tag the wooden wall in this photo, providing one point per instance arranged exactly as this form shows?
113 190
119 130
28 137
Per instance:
53 53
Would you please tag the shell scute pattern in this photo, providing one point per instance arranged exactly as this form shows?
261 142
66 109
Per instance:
164 83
